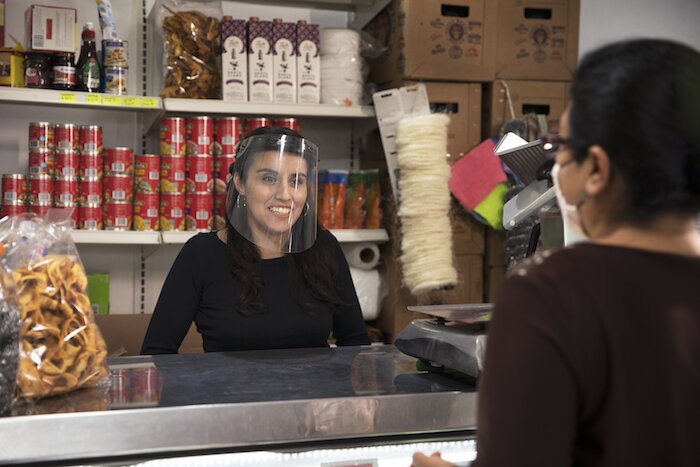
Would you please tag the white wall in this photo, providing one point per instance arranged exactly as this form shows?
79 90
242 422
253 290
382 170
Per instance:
604 21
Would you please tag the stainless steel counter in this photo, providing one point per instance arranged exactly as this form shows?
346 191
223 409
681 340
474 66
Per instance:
164 405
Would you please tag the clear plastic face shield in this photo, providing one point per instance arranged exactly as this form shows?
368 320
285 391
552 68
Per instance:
272 193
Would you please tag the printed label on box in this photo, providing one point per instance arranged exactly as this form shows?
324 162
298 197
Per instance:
284 62
260 61
309 64
234 61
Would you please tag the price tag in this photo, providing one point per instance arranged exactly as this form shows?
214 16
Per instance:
149 102
113 100
94 99
68 97
132 101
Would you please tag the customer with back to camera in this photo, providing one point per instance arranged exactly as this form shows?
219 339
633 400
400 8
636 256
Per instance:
593 356
266 281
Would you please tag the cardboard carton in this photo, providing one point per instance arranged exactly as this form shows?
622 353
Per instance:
308 64
537 39
98 291
430 39
234 60
260 60
284 62
51 28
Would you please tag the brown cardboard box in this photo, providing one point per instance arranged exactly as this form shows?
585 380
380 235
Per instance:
495 248
537 39
495 277
467 233
540 97
430 39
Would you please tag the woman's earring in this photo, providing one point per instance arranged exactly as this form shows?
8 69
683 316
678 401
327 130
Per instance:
238 201
305 210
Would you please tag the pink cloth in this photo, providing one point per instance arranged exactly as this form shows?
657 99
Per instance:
476 174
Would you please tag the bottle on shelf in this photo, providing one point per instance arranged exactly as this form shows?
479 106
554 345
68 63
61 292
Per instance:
89 68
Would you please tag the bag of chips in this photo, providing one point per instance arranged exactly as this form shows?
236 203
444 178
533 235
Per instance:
60 347
9 339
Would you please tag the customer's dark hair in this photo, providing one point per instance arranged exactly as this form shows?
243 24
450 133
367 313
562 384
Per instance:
314 269
640 100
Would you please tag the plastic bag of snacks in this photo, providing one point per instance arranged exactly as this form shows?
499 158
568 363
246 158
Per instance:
61 348
190 34
9 339
356 195
373 208
332 185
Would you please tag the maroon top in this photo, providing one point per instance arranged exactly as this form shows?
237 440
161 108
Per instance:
593 359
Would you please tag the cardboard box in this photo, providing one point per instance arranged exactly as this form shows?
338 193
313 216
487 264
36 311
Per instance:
284 62
2 23
537 39
98 292
495 248
308 64
234 60
11 68
51 28
467 233
540 97
494 282
260 61
431 39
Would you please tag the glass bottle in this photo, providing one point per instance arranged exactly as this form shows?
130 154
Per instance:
88 69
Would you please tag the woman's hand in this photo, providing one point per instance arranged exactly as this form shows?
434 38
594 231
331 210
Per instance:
421 460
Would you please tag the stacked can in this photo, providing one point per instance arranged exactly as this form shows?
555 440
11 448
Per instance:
291 123
228 132
65 193
41 167
254 123
146 197
172 174
199 169
90 173
118 188
114 58
14 195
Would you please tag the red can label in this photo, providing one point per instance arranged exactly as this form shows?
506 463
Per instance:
222 175
146 207
199 173
40 136
291 123
172 136
91 139
65 191
40 208
12 209
66 137
172 174
40 189
66 164
118 161
198 211
90 217
14 188
90 166
117 188
146 173
172 211
116 215
255 123
200 135
219 211
90 192
41 162
228 131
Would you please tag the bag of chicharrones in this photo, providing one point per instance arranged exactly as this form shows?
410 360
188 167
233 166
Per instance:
9 339
60 347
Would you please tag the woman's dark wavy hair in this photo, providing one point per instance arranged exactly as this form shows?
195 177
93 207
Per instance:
313 270
640 100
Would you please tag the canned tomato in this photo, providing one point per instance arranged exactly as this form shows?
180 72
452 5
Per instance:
41 162
65 191
291 123
118 161
91 139
146 173
172 136
198 173
90 191
146 206
40 208
198 211
227 133
200 135
172 174
14 188
40 189
255 123
117 188
66 137
219 211
116 215
116 80
66 164
90 217
14 209
145 385
222 174
90 166
40 136
172 211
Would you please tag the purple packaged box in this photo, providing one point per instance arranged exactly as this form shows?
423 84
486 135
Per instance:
234 60
308 63
259 60
284 61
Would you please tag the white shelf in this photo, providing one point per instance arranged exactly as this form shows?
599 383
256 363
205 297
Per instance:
80 99
176 237
213 106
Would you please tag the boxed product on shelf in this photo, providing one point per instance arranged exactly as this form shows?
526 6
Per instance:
12 67
428 39
234 60
98 291
308 63
260 60
537 39
2 23
51 28
284 62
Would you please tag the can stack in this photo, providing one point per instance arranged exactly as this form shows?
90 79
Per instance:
118 184
228 132
199 170
41 167
146 191
171 212
114 59
65 189
90 174
14 195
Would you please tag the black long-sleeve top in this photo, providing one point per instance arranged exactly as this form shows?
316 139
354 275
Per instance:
200 287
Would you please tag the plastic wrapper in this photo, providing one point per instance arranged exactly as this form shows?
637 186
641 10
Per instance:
373 218
9 340
107 23
355 211
190 34
61 348
332 185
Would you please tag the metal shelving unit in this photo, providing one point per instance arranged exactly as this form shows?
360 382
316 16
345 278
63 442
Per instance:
76 99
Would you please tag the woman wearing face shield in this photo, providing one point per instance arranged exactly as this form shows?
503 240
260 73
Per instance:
593 354
272 278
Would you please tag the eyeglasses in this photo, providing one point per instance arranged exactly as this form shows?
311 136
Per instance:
552 143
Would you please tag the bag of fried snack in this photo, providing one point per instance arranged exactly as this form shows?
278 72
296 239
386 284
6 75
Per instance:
190 31
9 339
60 347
